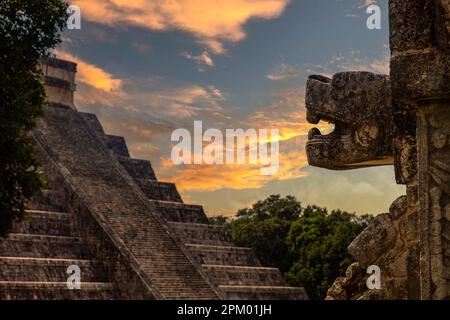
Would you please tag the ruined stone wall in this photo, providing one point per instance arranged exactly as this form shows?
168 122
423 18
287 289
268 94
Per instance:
411 243
420 73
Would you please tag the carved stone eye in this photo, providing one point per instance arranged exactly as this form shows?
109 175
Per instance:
366 134
340 80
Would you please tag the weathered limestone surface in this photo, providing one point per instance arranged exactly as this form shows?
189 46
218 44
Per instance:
411 243
180 212
131 235
202 233
59 77
117 144
34 260
359 105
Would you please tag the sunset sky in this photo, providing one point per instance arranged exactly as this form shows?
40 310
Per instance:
148 67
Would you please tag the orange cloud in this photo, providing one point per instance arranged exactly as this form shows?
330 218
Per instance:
355 61
286 113
381 66
212 21
92 75
292 161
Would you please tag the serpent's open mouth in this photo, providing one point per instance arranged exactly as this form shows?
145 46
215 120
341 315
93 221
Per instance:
341 128
320 107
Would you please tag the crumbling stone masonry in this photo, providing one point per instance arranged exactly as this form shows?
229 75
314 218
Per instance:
131 234
402 120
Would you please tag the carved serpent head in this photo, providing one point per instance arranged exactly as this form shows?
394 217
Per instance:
359 106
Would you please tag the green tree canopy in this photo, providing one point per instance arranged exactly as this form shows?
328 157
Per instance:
309 245
318 241
265 226
219 220
28 29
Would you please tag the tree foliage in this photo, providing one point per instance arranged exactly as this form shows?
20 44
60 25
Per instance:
309 245
28 29
265 226
319 240
219 220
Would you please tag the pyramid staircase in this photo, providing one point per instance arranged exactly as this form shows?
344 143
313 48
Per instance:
235 271
35 258
131 234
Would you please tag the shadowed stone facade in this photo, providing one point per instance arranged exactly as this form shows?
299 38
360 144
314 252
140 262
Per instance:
131 235
404 120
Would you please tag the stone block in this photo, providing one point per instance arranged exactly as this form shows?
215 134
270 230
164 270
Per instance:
405 144
45 223
157 190
442 25
138 169
221 255
244 276
398 207
373 241
180 212
196 233
48 270
421 76
35 246
93 122
117 144
263 293
55 291
410 24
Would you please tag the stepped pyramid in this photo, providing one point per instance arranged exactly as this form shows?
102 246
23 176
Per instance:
130 234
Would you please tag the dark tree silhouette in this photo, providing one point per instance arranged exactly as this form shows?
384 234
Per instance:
28 29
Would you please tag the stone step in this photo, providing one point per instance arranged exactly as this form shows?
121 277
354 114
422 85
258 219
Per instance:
15 290
157 190
45 222
93 122
196 233
223 255
116 144
263 293
244 276
49 200
48 270
180 212
43 246
138 169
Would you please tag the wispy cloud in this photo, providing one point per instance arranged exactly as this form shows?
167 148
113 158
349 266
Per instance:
142 48
203 59
369 2
216 93
285 71
354 61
